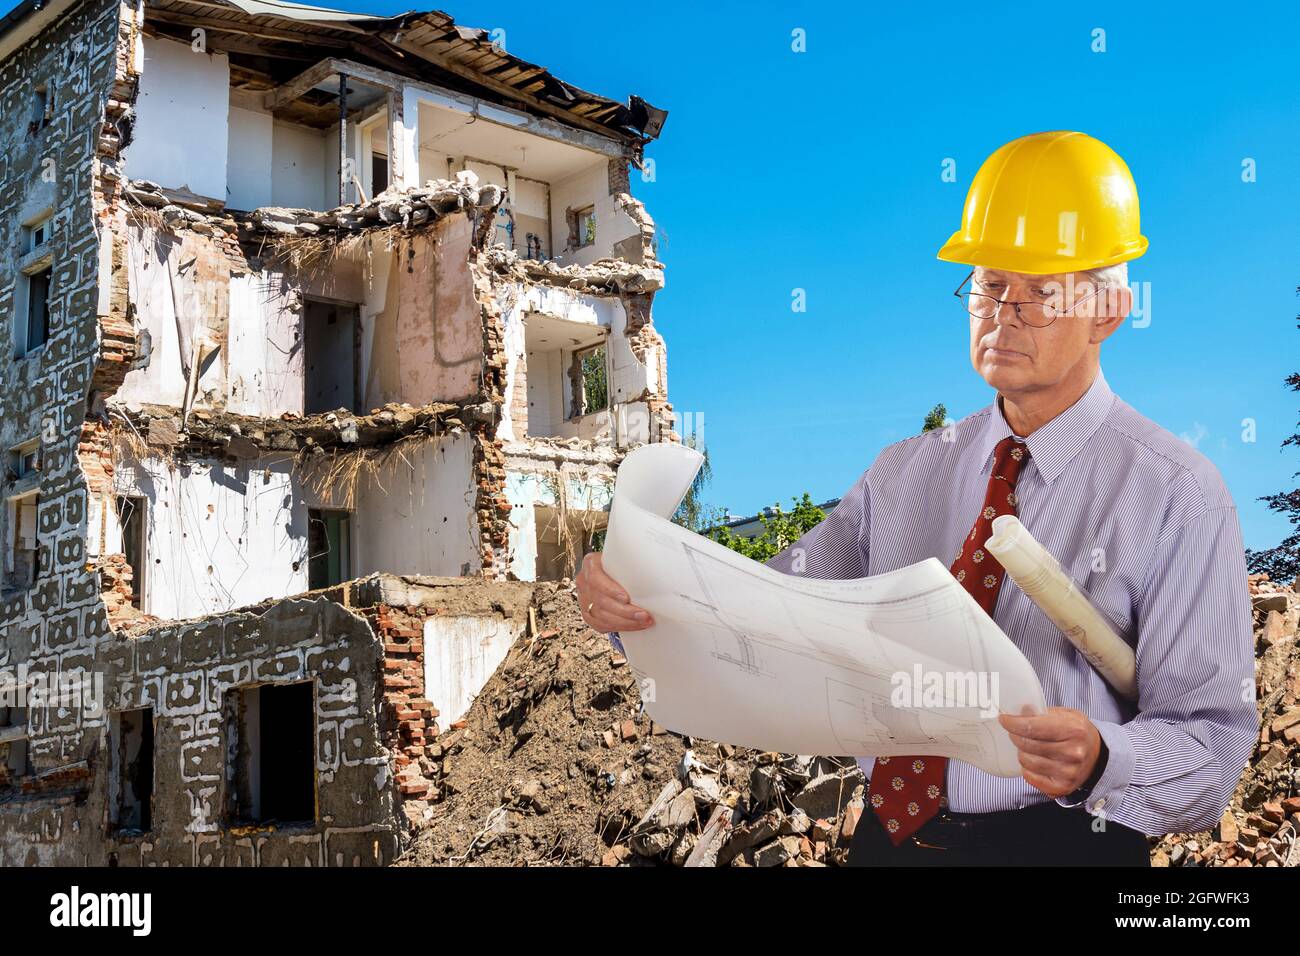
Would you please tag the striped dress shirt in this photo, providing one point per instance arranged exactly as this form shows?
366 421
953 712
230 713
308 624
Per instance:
1143 523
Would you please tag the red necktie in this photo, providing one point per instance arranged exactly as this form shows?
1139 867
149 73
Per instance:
907 791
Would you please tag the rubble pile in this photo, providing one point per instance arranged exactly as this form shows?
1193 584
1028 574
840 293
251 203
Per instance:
1261 825
608 276
244 436
408 208
412 207
554 764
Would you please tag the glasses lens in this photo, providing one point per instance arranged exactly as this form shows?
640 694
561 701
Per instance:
981 306
1037 315
1031 313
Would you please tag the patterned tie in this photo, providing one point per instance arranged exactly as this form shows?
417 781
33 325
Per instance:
907 791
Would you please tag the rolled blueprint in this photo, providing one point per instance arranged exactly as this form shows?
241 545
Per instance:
1066 605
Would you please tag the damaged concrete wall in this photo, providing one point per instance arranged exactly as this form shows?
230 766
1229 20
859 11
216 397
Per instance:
187 673
221 534
636 365
69 156
188 288
422 328
419 340
218 535
613 226
264 353
441 638
558 496
415 513
180 287
519 301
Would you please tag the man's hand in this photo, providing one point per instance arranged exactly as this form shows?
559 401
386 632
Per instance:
1058 749
603 603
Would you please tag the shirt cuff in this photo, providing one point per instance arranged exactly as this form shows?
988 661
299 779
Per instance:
1115 780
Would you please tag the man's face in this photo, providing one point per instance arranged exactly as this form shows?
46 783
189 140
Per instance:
1009 352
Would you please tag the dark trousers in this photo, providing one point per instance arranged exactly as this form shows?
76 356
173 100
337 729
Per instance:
1044 834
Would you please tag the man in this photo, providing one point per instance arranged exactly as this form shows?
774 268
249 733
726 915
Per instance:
1140 519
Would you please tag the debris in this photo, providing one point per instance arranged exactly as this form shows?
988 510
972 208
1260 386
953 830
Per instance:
646 799
557 740
408 207
1259 827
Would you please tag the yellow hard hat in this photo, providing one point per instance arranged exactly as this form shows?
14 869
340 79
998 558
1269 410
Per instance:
1049 203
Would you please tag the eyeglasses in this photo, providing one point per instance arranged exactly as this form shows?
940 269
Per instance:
1038 315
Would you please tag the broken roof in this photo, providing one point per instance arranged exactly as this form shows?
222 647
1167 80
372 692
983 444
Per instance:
269 42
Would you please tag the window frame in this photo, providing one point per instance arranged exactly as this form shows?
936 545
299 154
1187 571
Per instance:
36 262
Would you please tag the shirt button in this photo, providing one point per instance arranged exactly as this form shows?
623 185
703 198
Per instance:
1097 804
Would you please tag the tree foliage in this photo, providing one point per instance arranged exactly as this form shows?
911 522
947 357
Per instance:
780 530
936 418
1282 563
692 513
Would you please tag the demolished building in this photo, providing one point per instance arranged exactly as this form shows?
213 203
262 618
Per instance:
322 330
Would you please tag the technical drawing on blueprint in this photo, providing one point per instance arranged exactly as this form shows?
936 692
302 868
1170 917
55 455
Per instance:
743 654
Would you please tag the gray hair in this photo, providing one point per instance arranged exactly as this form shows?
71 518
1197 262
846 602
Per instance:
1107 276
1107 281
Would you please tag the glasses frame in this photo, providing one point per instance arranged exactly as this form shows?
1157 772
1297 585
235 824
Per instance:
1017 305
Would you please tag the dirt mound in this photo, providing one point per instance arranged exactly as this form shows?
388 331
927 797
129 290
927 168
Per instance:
555 764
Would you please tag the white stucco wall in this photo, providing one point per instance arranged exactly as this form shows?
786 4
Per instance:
264 349
182 112
422 519
298 167
460 654
275 163
221 535
218 536
416 516
248 172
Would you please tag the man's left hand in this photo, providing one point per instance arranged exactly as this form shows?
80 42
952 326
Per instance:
1058 749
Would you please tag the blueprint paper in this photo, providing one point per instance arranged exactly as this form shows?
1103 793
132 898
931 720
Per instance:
746 655
1066 604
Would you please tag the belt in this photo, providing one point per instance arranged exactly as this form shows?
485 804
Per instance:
947 830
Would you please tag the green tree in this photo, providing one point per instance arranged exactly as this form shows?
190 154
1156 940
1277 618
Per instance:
692 513
780 530
936 418
595 385
1282 563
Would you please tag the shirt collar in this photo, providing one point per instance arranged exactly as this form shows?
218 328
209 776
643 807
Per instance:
1053 444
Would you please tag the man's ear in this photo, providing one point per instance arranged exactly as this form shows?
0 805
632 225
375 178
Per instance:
1114 305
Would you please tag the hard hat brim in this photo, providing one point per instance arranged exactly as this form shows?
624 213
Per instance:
961 250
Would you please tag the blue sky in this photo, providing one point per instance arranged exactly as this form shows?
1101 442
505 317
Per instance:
821 170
